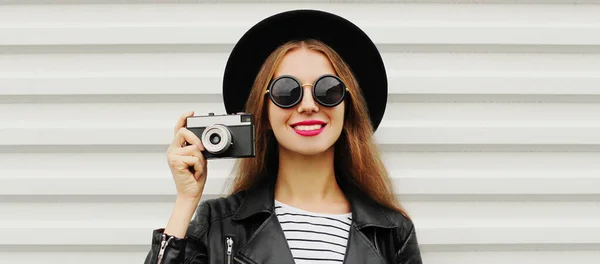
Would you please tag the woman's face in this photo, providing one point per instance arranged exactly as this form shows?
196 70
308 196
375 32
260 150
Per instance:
306 65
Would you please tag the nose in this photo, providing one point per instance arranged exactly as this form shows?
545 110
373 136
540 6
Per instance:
307 104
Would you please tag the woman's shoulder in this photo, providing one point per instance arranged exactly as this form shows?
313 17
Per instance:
402 223
221 207
400 219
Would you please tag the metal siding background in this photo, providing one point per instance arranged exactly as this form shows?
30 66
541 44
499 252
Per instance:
492 131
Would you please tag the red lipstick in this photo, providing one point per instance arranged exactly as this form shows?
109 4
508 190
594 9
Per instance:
311 132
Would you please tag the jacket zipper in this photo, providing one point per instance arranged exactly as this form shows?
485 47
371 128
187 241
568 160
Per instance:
229 249
230 257
163 247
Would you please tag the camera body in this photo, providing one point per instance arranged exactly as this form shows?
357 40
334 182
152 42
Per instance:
224 136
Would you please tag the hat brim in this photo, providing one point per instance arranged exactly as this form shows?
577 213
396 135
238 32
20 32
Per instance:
347 39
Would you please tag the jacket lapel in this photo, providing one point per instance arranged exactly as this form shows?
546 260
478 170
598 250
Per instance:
360 250
365 213
268 245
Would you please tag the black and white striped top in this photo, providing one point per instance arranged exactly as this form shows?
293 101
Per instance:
314 237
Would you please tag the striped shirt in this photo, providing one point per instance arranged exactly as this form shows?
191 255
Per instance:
314 237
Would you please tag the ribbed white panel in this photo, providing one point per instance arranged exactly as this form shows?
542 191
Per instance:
491 135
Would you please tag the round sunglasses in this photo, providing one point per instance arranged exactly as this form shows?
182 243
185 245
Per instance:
287 91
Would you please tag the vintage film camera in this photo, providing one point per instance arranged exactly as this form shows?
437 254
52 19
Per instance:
224 136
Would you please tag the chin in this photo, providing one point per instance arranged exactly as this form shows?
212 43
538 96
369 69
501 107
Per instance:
307 150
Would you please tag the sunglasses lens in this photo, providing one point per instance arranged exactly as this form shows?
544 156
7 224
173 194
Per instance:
286 91
329 90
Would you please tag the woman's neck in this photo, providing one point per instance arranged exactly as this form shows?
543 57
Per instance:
309 182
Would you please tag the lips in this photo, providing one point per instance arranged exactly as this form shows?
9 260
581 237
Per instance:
309 127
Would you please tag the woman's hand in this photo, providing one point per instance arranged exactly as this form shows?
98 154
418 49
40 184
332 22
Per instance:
187 163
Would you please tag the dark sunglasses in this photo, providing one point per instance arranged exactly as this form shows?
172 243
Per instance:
286 91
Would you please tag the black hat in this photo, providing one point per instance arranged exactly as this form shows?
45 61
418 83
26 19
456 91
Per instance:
347 39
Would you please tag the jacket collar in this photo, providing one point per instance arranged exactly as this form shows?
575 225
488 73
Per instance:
365 211
257 200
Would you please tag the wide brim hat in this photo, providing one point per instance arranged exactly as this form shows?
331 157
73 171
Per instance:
343 36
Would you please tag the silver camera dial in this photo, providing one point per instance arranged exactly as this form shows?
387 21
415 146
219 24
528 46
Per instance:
216 139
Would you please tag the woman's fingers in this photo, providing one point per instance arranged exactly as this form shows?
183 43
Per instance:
182 121
197 163
183 135
187 162
191 150
199 169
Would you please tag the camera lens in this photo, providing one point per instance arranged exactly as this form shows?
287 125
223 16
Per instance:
215 139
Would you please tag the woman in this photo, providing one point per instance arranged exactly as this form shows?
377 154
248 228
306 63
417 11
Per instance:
317 191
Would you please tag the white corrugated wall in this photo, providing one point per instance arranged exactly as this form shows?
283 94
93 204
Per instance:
492 131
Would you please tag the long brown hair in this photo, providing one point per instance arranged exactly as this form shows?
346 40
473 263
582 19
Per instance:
360 163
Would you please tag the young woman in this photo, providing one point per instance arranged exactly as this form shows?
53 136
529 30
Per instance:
317 190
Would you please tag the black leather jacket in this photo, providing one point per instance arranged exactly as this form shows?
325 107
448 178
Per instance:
243 228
